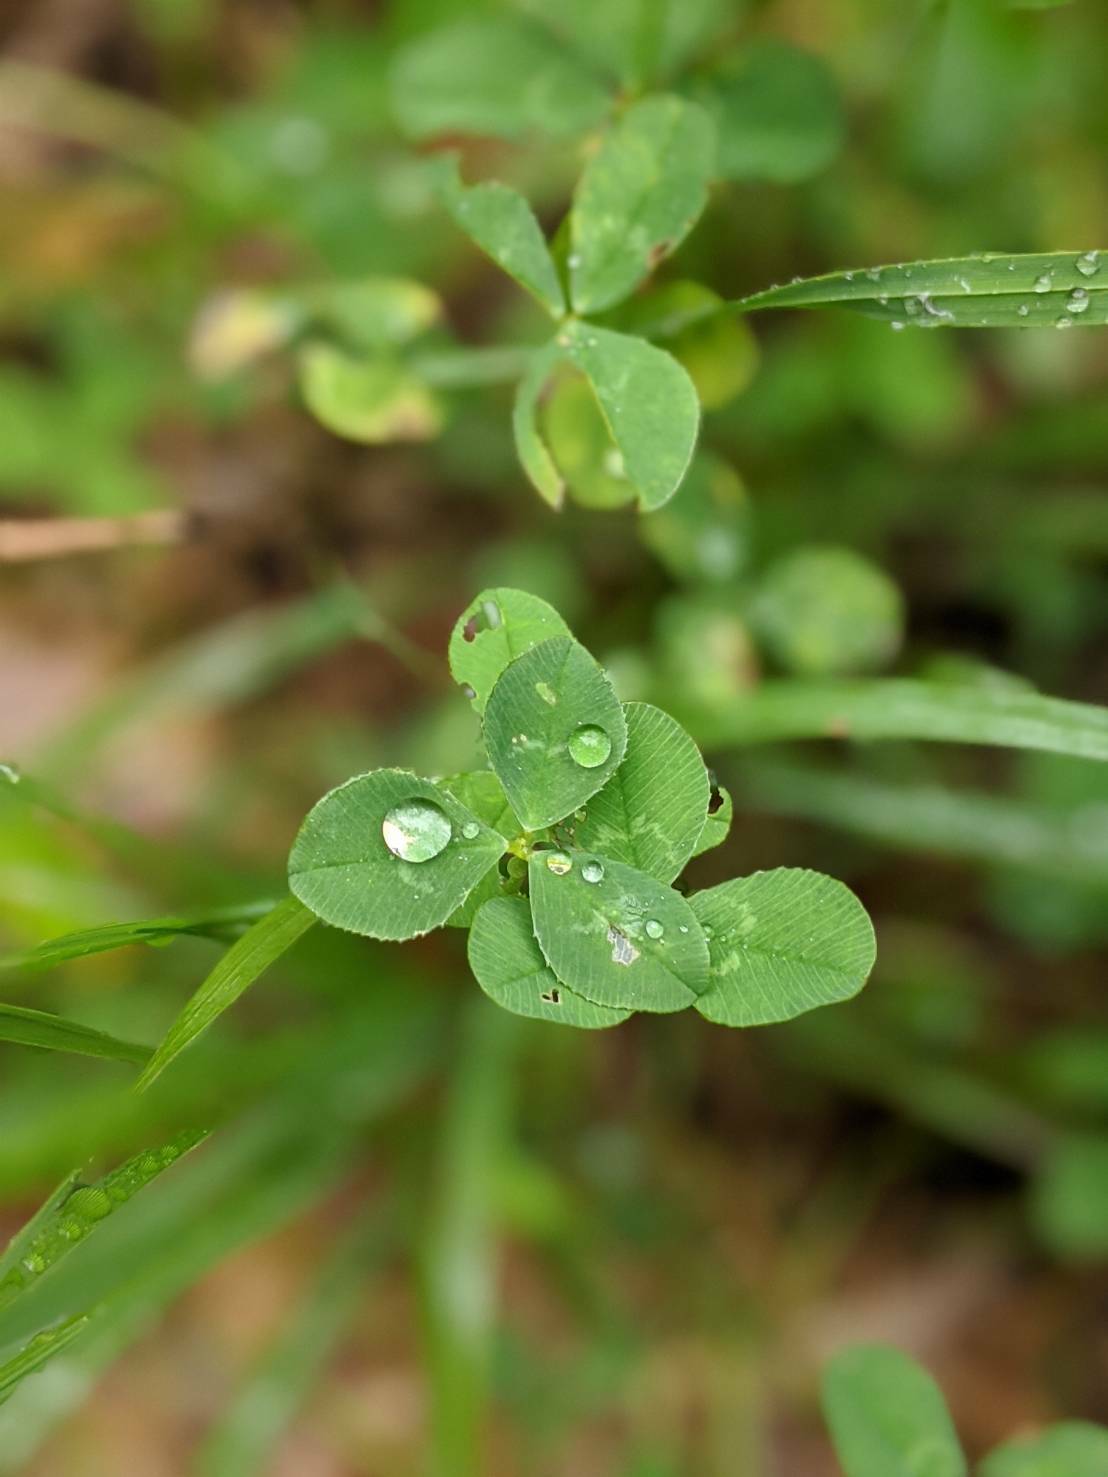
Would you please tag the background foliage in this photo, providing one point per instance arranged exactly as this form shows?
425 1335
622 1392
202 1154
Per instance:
421 1234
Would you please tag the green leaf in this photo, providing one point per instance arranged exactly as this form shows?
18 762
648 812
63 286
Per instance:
1070 1449
580 444
638 198
497 626
777 113
1058 289
77 1215
212 923
501 222
648 401
827 612
37 1028
554 731
1069 1197
899 708
371 313
38 1352
651 812
342 869
634 40
501 76
509 966
615 935
717 826
481 792
366 400
533 453
782 942
244 962
888 1417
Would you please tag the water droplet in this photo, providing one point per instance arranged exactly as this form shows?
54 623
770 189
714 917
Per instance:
90 1203
471 830
559 863
1088 264
468 691
1044 282
580 815
1023 310
897 326
1078 301
416 830
547 693
1064 322
592 872
654 929
573 260
684 928
34 1264
589 746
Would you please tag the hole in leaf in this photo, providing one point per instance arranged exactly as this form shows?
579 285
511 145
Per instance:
552 997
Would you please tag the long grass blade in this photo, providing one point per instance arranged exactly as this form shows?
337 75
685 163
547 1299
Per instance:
38 1028
37 1352
244 962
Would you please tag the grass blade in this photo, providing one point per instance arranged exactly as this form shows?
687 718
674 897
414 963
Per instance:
1055 289
78 1213
55 1033
212 923
904 708
31 1358
244 962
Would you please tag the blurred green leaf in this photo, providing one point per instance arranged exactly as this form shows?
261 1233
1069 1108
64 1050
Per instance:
1069 1197
650 814
827 612
1070 1449
1057 289
211 923
501 76
37 1353
54 1033
577 436
782 942
634 40
703 536
640 195
244 962
497 626
554 731
648 401
509 966
899 708
344 868
615 935
371 401
888 1417
532 451
776 110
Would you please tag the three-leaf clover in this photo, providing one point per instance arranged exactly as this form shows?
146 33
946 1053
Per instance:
561 857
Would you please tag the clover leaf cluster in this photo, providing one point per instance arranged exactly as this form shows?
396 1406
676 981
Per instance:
561 857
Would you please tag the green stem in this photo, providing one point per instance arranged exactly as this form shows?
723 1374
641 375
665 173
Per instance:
462 368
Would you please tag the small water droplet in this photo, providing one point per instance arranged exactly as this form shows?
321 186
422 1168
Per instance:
547 693
1088 264
897 326
1064 322
559 862
573 260
1078 301
684 928
1044 282
654 929
1023 310
34 1264
416 830
592 872
471 830
468 691
589 746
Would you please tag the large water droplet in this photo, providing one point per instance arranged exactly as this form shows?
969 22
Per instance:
416 830
90 1203
589 746
1078 301
654 929
592 872
1088 264
559 862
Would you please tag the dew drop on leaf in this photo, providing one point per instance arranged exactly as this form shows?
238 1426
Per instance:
589 746
559 863
547 693
1043 283
416 830
471 830
592 872
1078 301
1088 264
654 929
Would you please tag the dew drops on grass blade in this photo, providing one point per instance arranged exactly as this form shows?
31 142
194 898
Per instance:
1037 290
